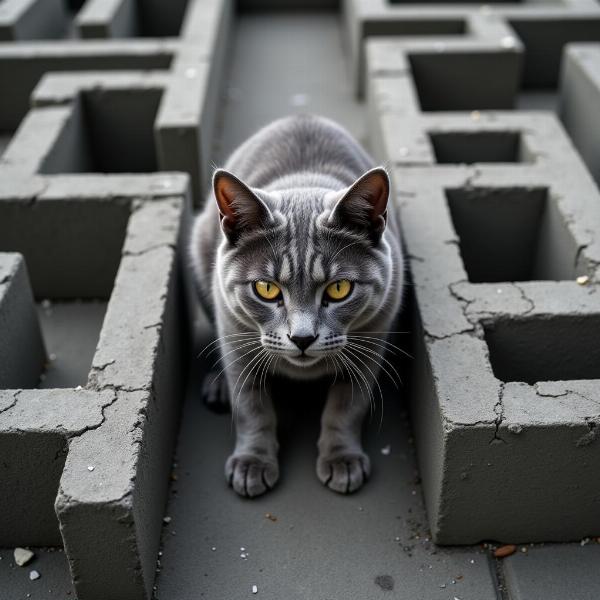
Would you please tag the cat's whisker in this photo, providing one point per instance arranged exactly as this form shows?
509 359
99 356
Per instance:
361 378
358 375
358 350
223 337
251 364
256 373
236 349
371 395
232 363
232 342
380 357
344 367
385 342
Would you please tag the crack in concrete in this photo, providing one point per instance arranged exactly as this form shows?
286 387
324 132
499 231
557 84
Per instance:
149 249
525 298
499 410
16 395
593 433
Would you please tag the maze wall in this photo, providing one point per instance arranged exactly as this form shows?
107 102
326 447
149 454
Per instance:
106 115
501 224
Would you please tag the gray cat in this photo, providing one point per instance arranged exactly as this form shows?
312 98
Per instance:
303 278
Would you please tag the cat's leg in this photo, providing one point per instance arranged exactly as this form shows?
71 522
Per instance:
342 465
215 393
252 469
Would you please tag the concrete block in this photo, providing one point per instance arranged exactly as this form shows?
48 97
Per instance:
22 353
499 221
32 19
580 101
106 507
540 30
554 572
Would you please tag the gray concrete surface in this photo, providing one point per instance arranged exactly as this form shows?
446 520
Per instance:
71 331
501 316
22 351
288 48
320 545
54 582
554 572
541 30
580 101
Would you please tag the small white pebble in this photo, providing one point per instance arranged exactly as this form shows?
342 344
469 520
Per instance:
508 41
52 356
442 585
472 561
255 589
360 508
213 549
583 280
242 549
91 468
78 388
243 555
386 450
22 556
33 575
475 115
167 520
46 304
397 538
299 99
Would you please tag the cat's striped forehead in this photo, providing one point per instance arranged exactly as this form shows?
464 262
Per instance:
300 250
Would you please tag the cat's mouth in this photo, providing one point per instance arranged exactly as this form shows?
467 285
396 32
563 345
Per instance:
303 360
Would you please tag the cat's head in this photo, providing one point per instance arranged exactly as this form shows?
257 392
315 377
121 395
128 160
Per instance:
304 266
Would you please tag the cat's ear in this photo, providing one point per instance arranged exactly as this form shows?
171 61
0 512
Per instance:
240 208
364 205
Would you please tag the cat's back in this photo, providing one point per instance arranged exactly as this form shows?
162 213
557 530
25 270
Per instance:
299 144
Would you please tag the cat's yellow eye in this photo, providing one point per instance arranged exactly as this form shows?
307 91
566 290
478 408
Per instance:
267 290
338 290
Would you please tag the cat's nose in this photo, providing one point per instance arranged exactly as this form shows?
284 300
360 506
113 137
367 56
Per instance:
303 341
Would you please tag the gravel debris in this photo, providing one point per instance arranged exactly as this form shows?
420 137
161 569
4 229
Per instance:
255 589
270 517
505 550
22 556
386 450
91 468
583 280
33 575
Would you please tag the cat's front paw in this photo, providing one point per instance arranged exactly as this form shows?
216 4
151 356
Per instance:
344 473
251 475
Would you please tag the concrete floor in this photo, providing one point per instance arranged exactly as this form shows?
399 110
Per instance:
71 331
321 545
317 544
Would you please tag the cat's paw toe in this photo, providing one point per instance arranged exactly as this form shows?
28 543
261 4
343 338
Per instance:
251 475
215 393
344 474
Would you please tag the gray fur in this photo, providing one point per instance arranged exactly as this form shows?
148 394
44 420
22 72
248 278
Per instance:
303 224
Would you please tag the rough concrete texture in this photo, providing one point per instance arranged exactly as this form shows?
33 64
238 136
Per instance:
505 403
173 113
580 101
101 234
540 30
22 352
554 572
106 508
